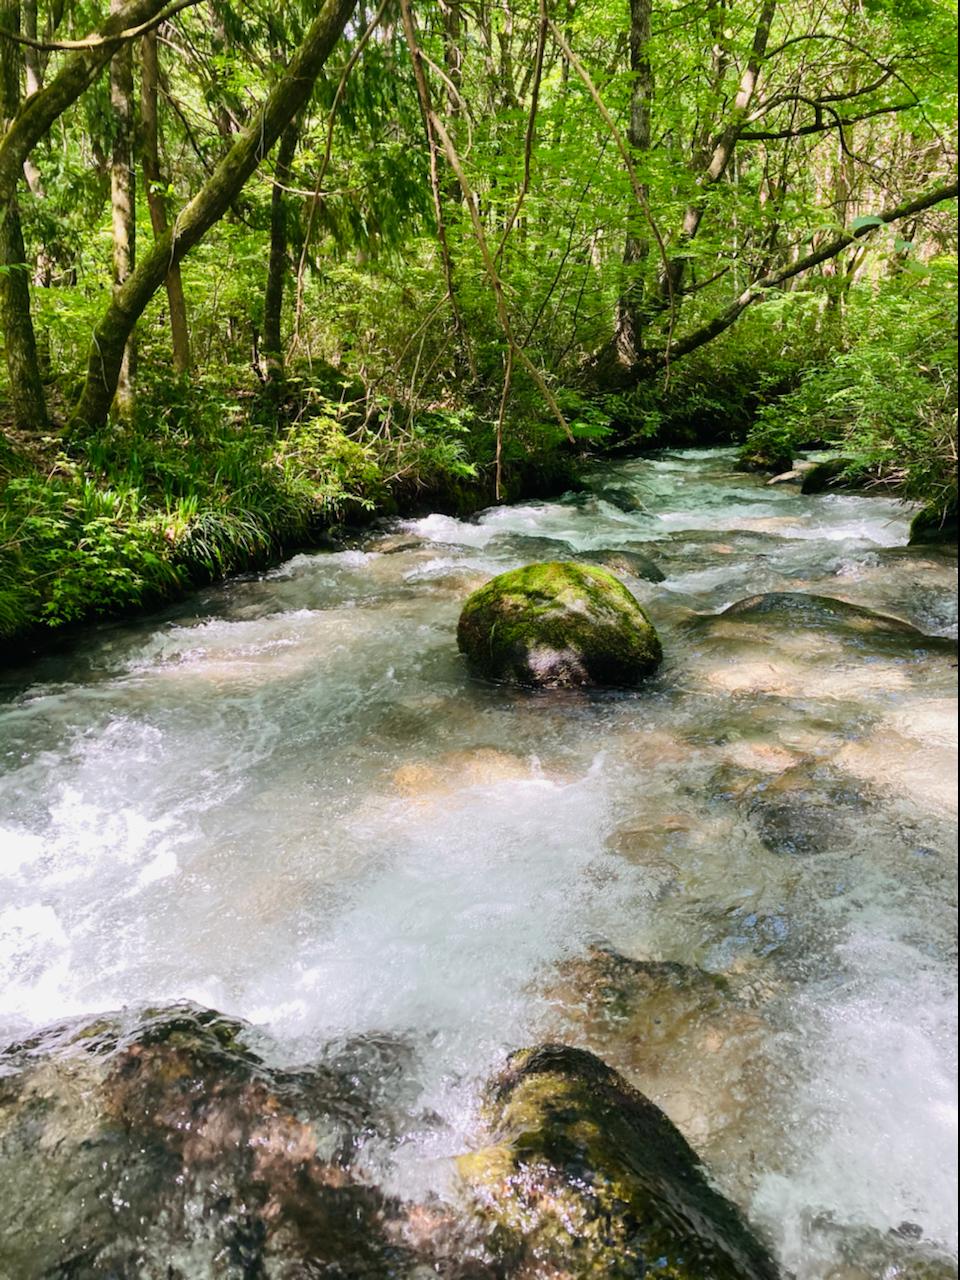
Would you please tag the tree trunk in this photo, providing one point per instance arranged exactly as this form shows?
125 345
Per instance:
713 164
123 206
629 324
26 387
288 97
34 70
277 269
150 164
77 73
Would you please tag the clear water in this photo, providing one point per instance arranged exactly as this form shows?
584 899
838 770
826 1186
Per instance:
288 800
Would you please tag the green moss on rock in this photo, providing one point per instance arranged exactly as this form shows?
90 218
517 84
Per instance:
590 1179
558 625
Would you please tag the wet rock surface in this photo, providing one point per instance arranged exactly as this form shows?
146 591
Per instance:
558 625
818 611
691 1041
163 1146
830 474
628 562
160 1145
588 1178
933 526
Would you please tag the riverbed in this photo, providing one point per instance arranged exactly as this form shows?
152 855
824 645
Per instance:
288 799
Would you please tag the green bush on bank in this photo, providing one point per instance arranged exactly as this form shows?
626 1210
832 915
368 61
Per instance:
135 515
888 403
214 481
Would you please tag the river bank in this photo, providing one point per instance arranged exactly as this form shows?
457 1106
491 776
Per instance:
136 518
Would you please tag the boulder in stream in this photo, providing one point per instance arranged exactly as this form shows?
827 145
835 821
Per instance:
558 625
160 1145
834 473
629 562
588 1178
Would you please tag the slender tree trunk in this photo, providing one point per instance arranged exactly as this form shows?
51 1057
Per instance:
76 74
629 324
34 71
123 204
453 59
288 97
150 164
277 268
26 387
713 164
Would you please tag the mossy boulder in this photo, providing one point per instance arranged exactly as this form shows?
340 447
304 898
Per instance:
558 625
589 1179
753 458
835 473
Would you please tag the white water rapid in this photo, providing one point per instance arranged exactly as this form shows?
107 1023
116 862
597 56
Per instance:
287 799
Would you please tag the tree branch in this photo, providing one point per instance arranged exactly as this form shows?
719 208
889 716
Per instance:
820 126
95 42
706 333
78 72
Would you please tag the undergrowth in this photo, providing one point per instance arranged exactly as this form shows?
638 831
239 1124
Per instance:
888 404
210 481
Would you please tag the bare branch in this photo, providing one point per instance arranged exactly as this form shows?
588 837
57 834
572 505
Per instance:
821 126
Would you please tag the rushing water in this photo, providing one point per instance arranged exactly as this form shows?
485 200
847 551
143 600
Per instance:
288 800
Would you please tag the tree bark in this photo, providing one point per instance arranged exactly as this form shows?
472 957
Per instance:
26 387
123 211
628 334
277 268
288 97
150 165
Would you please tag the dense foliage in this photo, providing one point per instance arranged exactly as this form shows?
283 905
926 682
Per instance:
492 237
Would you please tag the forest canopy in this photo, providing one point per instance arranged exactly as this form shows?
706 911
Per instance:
263 265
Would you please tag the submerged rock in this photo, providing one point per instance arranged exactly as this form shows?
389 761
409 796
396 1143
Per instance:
629 562
693 1041
558 625
164 1147
817 611
590 1179
622 499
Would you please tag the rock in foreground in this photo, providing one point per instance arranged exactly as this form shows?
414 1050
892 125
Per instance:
558 625
160 1146
590 1179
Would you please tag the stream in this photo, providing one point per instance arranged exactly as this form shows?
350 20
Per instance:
288 800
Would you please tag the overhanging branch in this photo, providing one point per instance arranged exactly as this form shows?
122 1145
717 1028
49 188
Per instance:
706 333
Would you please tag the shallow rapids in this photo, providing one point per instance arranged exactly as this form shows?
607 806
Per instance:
288 800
